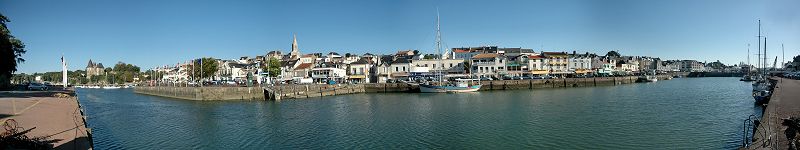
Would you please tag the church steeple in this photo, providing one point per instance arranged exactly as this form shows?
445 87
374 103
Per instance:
295 51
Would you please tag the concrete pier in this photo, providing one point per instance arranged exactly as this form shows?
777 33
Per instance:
784 103
60 118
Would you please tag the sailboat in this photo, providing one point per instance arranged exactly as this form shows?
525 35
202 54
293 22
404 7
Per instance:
459 86
762 87
748 77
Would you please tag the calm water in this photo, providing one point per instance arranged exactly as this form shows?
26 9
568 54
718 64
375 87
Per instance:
685 113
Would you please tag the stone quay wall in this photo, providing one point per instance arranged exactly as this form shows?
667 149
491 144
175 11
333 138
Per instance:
319 90
204 93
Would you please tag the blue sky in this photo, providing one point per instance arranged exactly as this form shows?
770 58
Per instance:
150 33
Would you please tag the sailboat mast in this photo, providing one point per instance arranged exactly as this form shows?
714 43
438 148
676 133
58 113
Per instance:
439 45
765 55
758 58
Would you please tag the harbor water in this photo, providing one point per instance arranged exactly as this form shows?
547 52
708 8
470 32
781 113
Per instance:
683 113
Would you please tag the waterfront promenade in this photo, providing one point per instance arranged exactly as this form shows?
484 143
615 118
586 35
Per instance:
54 114
784 103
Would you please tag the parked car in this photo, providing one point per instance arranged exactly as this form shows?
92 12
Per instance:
37 86
507 78
527 78
486 79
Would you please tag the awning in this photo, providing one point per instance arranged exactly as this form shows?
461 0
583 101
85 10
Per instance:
561 72
582 71
539 72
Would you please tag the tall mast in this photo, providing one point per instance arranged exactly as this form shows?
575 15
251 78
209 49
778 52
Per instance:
439 45
783 58
765 55
759 46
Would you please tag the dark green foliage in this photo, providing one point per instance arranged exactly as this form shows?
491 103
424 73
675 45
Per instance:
11 50
613 54
207 69
273 67
123 72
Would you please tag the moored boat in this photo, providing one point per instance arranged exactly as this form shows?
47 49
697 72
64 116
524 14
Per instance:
111 87
461 86
747 78
442 86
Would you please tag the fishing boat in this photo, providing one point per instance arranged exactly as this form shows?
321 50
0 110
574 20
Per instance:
442 86
460 86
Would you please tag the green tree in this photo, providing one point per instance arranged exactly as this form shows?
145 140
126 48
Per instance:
613 54
11 50
273 67
204 68
125 72
467 66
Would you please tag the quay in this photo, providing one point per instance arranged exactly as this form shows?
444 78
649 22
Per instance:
56 115
300 91
784 103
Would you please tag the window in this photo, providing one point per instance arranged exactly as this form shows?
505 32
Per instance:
397 69
451 65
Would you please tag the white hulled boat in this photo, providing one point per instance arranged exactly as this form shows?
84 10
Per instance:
462 85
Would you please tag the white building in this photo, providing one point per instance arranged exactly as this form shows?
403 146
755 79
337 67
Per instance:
488 65
580 63
557 63
444 65
692 66
321 75
360 71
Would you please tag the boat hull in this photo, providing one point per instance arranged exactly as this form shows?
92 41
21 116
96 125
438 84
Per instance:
447 89
761 97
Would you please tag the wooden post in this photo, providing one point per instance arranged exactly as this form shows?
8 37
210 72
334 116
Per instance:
530 84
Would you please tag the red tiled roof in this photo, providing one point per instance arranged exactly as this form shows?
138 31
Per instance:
461 51
303 66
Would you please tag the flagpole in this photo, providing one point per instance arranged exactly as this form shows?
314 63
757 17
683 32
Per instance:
201 72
